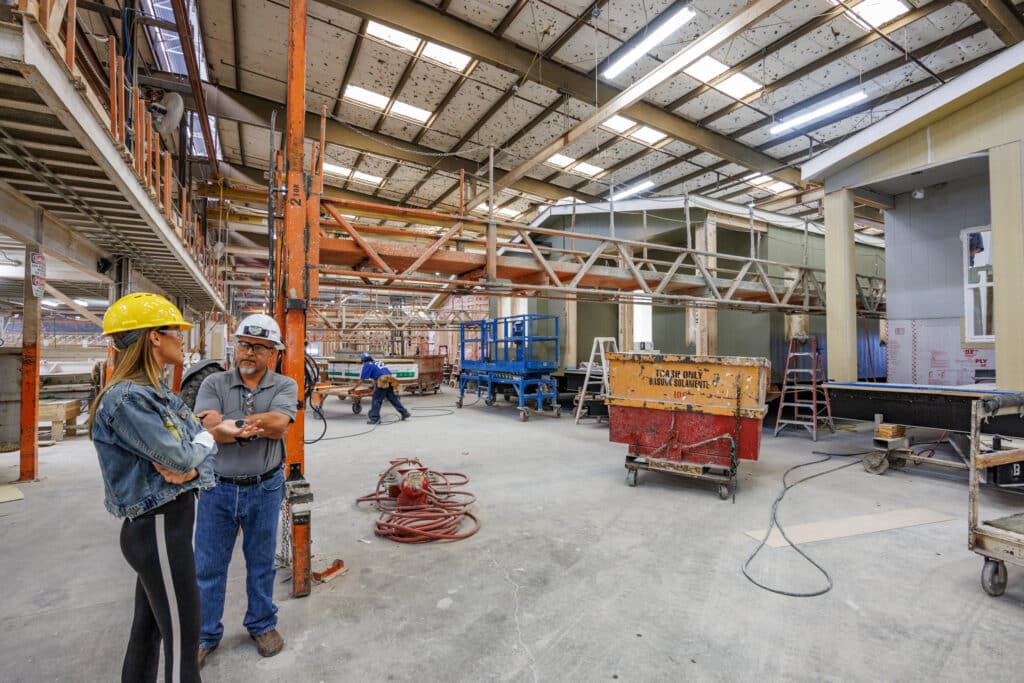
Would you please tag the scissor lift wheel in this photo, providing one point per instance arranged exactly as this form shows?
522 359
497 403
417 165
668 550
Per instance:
993 577
876 462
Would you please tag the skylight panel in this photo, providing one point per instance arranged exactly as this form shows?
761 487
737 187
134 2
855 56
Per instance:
335 170
648 135
393 36
757 179
587 169
739 86
778 187
559 160
874 12
706 68
367 97
507 212
407 111
619 124
361 177
447 57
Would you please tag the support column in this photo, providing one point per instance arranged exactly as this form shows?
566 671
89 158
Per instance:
705 320
295 295
30 332
840 287
625 327
570 330
1006 187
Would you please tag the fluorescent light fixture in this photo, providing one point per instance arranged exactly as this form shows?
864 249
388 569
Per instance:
367 97
407 111
778 187
393 36
821 111
757 179
629 192
447 57
334 169
739 86
874 12
619 124
81 302
49 303
655 37
559 160
361 177
872 231
706 68
648 135
587 169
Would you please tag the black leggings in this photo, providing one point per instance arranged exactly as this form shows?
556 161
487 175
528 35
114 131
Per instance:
158 546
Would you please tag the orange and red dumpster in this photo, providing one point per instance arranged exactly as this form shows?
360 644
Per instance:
694 416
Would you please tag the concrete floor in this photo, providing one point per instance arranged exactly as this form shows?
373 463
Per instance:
574 576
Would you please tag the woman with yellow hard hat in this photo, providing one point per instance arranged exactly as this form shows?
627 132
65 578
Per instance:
154 457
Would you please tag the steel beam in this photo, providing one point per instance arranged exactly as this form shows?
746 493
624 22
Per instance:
188 49
1003 20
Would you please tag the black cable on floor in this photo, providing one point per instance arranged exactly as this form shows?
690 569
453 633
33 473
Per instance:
774 522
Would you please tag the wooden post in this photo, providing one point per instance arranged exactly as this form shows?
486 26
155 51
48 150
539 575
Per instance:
1006 187
112 73
69 38
147 157
840 287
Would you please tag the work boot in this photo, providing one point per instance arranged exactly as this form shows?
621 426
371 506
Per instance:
204 652
406 416
372 422
269 644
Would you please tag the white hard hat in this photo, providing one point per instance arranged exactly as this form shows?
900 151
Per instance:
260 326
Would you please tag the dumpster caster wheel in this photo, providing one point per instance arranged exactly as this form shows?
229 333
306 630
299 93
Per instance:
357 407
488 402
524 415
557 411
631 477
724 490
458 402
993 577
876 463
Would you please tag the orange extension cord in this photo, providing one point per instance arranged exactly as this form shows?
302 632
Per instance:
439 520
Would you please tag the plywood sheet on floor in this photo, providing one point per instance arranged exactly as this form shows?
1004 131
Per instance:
850 526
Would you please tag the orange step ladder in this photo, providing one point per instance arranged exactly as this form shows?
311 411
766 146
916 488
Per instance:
803 389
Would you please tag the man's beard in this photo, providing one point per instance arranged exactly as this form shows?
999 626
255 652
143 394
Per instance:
247 371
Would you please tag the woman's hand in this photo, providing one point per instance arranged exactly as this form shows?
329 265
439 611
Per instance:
228 430
175 478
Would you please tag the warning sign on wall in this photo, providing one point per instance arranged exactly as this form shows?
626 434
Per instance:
37 268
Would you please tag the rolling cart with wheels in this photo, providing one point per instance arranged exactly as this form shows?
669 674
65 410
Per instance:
511 357
690 416
997 540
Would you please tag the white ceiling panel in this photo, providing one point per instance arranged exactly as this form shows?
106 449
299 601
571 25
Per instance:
378 68
707 103
486 14
435 139
677 148
469 104
538 26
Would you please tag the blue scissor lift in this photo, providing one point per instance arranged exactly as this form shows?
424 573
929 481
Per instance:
514 356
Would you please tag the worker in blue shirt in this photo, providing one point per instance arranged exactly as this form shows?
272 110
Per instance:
384 385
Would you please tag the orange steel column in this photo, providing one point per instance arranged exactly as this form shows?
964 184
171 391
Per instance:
294 292
29 464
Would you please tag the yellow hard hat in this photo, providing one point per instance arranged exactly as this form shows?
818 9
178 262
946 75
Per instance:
141 311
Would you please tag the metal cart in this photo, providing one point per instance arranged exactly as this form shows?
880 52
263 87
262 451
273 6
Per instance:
691 416
513 356
997 540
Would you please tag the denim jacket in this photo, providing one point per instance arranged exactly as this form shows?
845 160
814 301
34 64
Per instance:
136 426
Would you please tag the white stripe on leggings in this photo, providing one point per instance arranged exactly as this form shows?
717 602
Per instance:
172 601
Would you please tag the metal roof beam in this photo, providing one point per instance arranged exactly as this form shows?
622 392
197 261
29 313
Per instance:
1003 20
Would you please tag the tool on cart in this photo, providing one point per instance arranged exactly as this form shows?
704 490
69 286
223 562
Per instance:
997 540
513 356
596 387
804 391
692 416
418 504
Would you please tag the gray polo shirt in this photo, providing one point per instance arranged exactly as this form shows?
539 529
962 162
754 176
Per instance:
226 393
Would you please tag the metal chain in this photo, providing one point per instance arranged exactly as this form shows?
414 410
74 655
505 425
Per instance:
283 559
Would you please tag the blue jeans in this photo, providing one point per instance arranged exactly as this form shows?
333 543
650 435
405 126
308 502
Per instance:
222 511
378 400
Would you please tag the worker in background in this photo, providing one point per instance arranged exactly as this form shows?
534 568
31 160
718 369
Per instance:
249 484
384 385
154 456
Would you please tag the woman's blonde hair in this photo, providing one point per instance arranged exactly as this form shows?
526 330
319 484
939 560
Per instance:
137 363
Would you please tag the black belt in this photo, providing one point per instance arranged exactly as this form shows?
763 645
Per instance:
250 480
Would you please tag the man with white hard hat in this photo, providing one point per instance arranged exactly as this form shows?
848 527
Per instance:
250 484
